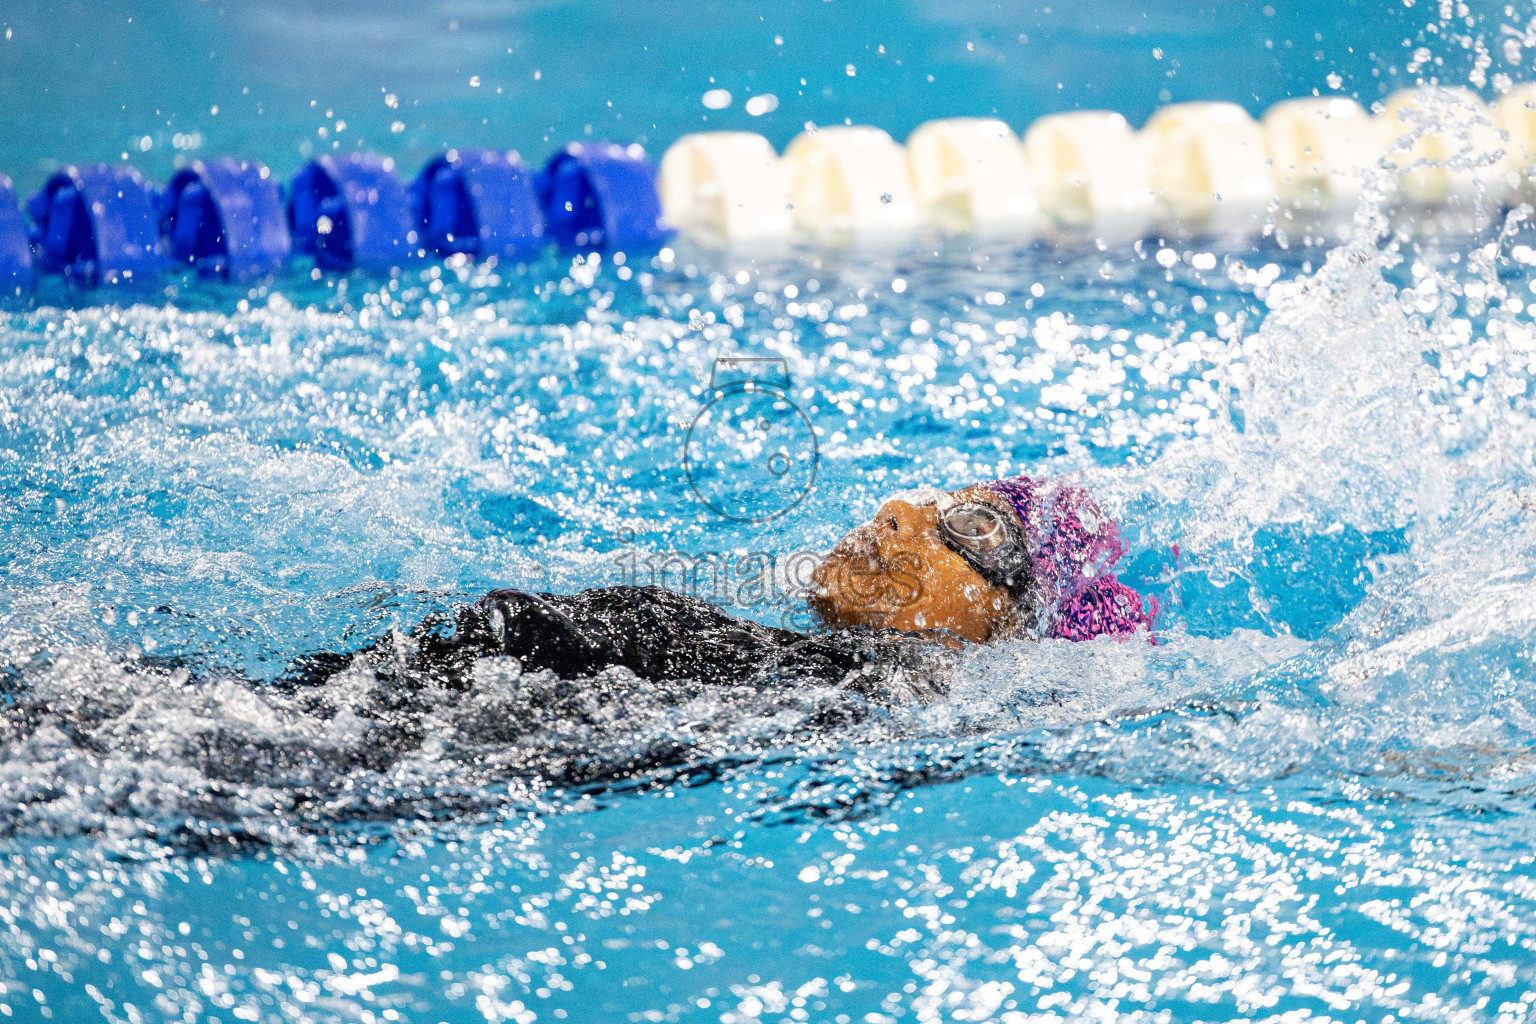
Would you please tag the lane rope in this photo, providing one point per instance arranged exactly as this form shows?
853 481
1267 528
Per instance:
1195 169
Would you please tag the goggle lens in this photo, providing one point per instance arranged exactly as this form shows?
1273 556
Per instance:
975 526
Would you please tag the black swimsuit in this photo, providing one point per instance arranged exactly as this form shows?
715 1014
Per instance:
658 635
514 692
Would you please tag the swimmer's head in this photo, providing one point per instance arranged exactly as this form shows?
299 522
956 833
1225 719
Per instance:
931 560
997 559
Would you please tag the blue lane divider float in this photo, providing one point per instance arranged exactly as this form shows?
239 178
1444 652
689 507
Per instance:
226 218
104 225
351 211
15 248
97 225
603 196
479 202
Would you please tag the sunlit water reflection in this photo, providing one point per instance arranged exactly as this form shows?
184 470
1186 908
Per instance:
1312 798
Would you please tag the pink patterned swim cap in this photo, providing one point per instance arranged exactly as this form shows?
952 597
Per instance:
1074 546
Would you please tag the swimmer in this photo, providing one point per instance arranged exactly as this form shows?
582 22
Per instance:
618 682
1015 558
1018 557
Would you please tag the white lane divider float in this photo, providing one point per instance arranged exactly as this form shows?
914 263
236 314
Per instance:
1320 151
1091 174
1210 170
727 186
1455 160
1515 114
1195 169
850 183
969 175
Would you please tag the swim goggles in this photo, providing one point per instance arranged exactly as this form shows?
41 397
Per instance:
990 540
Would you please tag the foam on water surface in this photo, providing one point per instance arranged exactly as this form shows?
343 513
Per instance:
201 496
231 489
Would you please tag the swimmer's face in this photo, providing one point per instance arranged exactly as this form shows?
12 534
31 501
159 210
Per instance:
896 571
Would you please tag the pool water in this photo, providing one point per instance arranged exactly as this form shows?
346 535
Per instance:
1311 799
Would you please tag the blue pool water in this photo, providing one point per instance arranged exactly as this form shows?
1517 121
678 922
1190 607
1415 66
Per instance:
1313 799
